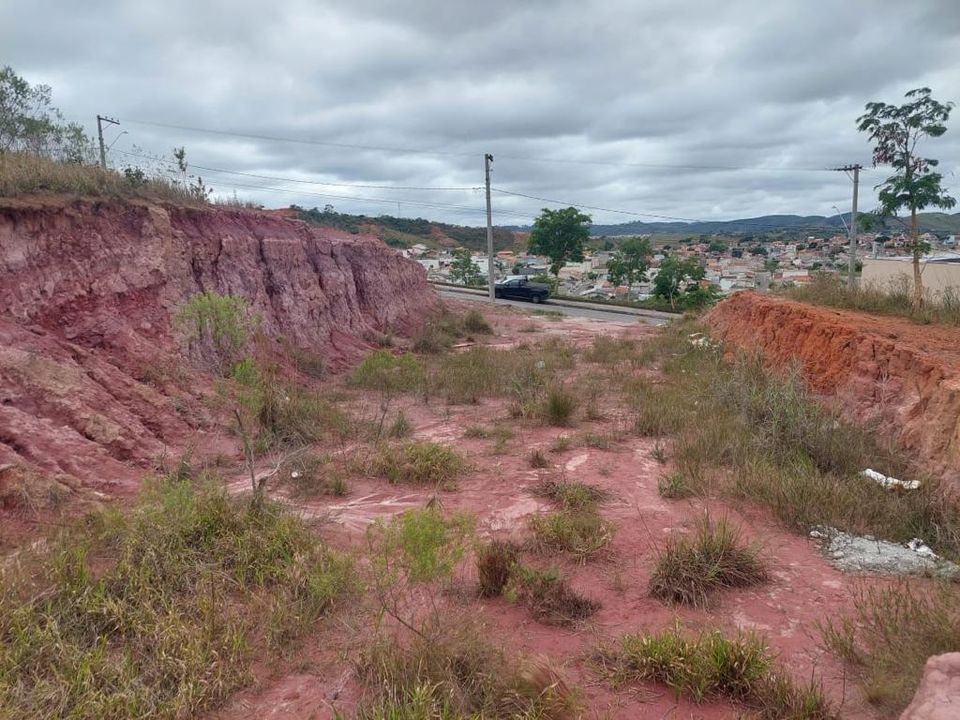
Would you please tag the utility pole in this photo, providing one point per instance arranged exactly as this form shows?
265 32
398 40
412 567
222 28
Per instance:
487 161
103 150
852 280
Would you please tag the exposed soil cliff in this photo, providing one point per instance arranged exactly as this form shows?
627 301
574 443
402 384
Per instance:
903 376
88 291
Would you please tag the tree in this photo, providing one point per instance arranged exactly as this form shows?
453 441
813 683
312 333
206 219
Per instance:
29 123
463 270
630 262
560 235
895 132
676 275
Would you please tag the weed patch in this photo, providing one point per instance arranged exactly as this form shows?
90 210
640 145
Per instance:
495 562
570 494
549 596
890 636
420 463
184 590
713 666
580 531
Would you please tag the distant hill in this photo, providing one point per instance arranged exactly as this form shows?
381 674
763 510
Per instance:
929 222
404 232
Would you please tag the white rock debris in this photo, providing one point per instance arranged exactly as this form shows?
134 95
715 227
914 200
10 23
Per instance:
854 553
699 340
890 483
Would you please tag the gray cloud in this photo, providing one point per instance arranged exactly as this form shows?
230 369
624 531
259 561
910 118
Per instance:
695 85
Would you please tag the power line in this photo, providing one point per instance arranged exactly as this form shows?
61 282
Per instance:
594 207
299 180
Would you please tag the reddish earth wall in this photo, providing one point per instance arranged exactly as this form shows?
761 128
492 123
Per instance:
87 293
904 376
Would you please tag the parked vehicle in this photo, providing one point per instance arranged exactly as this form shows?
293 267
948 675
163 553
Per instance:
521 289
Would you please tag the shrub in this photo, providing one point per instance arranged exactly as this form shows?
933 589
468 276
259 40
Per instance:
558 406
467 376
538 460
495 562
315 475
422 544
892 633
159 610
475 322
401 427
713 666
689 570
549 596
420 463
674 486
388 373
217 328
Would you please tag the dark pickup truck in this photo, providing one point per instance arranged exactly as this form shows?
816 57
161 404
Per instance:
521 289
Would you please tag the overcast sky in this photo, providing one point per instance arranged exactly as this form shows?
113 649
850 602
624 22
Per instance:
646 101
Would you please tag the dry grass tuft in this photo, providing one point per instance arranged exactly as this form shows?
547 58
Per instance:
690 570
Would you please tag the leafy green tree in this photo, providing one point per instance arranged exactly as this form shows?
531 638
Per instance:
560 235
895 131
675 276
630 262
463 270
716 245
29 123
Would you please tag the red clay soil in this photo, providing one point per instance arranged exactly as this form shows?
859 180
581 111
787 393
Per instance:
803 591
91 381
900 375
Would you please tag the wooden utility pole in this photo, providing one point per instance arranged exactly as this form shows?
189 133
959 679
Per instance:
852 278
487 161
103 150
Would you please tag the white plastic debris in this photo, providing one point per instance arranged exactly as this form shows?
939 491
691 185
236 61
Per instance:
921 548
294 474
699 340
889 483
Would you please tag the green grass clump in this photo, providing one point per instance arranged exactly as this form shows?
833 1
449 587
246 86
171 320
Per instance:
159 612
312 475
714 667
578 530
466 377
608 350
385 372
549 596
674 486
890 636
451 670
570 494
557 406
691 569
420 463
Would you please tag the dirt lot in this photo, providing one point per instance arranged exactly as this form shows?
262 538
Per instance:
318 680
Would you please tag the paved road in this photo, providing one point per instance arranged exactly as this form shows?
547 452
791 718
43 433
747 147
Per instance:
591 312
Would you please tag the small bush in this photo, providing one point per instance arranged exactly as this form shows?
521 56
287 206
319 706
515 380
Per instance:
579 531
217 327
690 569
421 545
421 463
401 427
538 460
561 443
495 562
598 441
890 636
467 376
659 453
313 475
674 486
558 407
388 373
475 322
549 596
713 666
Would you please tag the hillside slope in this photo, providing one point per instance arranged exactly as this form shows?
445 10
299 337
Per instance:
92 383
902 376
